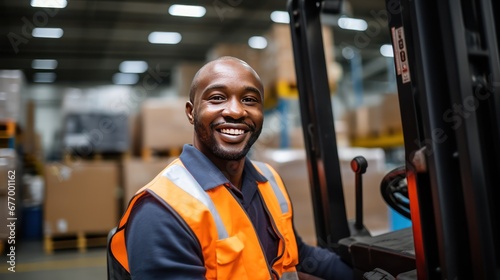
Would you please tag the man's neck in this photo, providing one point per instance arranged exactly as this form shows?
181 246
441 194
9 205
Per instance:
233 170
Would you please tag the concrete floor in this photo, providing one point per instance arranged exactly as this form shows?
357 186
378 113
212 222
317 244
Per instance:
33 263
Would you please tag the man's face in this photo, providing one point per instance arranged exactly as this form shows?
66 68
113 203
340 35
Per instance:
226 110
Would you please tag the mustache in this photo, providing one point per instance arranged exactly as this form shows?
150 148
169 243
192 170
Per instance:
250 126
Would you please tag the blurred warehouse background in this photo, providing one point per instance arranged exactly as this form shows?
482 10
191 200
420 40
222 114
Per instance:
92 100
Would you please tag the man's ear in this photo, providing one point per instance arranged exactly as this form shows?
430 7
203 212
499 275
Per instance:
189 112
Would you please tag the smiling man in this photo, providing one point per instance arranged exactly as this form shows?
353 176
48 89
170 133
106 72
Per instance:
213 213
225 107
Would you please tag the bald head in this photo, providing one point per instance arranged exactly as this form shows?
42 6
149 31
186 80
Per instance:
210 68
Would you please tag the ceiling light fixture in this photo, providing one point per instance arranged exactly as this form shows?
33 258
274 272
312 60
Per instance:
257 42
125 79
133 66
187 10
352 24
49 3
40 32
158 37
386 50
44 64
280 17
44 77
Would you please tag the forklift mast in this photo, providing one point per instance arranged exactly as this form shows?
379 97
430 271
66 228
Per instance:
446 57
318 125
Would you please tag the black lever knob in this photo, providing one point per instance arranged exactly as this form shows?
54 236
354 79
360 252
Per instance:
359 165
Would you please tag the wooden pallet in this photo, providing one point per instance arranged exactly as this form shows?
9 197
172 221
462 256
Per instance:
149 153
7 128
7 134
379 140
69 157
3 246
392 130
80 241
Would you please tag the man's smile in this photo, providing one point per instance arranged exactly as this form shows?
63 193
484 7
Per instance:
232 131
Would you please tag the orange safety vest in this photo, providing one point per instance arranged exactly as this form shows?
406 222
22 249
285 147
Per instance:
230 245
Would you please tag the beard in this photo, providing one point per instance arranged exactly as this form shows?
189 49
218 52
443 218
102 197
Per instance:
207 138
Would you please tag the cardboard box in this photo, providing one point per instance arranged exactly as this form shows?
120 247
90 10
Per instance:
183 76
383 118
297 136
137 173
165 124
4 231
135 134
364 121
390 114
277 61
81 197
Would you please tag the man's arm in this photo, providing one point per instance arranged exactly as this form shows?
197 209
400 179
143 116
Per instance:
160 245
321 262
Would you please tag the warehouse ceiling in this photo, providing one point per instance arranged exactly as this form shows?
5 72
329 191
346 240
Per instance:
99 35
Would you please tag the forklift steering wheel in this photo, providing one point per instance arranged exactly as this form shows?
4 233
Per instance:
394 189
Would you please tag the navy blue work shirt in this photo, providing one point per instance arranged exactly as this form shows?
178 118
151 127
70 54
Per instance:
161 245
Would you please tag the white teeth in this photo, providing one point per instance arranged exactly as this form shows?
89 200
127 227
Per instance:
232 131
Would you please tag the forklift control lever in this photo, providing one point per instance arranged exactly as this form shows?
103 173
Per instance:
359 165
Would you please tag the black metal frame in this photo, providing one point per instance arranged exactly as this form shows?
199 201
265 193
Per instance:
317 122
449 93
450 110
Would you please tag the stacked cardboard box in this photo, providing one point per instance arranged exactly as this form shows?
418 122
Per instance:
29 134
296 135
183 76
81 197
277 61
379 119
364 121
391 116
135 134
164 124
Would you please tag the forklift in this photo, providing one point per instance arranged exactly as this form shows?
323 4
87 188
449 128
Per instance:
447 66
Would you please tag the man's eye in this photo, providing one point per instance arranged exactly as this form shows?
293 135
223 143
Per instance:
217 98
249 99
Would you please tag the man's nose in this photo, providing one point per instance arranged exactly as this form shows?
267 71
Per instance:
234 109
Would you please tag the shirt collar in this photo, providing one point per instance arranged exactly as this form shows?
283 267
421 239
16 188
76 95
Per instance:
207 174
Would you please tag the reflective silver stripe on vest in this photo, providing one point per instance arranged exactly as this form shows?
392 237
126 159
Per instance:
292 275
184 180
277 191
